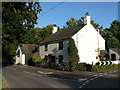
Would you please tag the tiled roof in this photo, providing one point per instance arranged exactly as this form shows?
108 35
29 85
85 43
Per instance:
28 48
62 34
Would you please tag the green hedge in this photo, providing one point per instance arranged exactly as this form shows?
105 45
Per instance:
106 67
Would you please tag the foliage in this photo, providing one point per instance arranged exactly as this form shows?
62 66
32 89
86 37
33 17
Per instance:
106 67
17 19
112 35
36 58
81 67
73 54
113 42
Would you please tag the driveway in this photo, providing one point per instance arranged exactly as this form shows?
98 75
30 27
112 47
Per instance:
19 76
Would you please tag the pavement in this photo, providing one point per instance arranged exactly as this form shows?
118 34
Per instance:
19 76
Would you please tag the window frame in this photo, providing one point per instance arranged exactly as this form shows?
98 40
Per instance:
60 60
61 45
46 47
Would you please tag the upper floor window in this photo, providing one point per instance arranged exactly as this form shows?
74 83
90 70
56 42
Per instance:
61 45
46 47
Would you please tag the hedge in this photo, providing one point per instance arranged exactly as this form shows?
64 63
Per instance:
106 67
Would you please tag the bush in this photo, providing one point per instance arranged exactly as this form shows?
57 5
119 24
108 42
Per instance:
81 67
73 54
106 67
37 59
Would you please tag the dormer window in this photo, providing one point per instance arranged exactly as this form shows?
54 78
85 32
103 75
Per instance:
46 47
61 45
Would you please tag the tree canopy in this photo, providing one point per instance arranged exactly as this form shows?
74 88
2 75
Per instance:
112 35
17 19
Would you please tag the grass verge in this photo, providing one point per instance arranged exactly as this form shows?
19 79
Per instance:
3 83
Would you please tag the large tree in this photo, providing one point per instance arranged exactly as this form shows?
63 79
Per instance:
17 19
112 35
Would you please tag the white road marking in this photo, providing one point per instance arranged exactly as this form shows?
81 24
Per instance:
82 79
55 78
11 68
45 73
100 73
105 73
32 73
91 79
95 75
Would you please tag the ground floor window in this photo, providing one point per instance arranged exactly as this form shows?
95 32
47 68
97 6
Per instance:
60 58
113 56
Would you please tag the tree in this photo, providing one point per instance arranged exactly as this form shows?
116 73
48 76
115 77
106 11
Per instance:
95 25
17 20
112 35
115 29
71 22
113 43
73 54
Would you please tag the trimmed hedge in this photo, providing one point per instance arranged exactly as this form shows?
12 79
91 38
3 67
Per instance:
106 67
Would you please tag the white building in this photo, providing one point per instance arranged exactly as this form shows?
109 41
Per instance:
24 54
87 40
114 55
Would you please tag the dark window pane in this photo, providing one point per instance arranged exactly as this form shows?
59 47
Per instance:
18 53
113 57
60 58
60 45
46 47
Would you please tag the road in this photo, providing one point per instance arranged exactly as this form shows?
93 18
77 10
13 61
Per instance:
19 76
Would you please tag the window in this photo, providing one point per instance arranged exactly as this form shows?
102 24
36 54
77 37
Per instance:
18 53
61 45
46 47
60 58
113 57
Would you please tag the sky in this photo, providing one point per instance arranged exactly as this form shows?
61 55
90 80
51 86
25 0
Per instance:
58 13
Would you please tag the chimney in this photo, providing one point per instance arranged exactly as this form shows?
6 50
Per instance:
87 19
55 28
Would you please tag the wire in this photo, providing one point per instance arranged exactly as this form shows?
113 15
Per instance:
53 8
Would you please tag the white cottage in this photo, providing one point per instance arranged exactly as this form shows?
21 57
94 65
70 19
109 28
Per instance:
87 40
114 54
24 54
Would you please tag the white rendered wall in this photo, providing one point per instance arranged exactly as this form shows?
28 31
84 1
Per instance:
53 48
20 59
86 41
23 59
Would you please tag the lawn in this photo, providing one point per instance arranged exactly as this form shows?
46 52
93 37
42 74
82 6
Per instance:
3 83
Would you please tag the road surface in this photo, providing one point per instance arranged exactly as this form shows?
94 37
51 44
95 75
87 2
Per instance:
19 76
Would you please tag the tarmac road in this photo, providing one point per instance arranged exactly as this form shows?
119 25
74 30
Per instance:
19 76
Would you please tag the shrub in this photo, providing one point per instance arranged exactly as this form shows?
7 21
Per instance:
37 59
105 67
81 67
73 54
